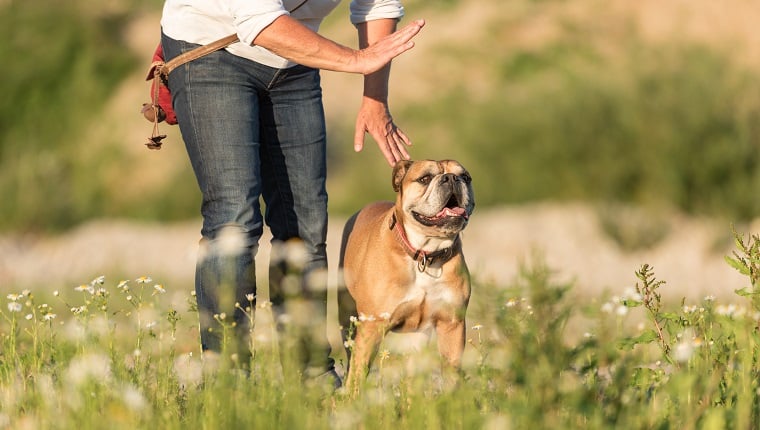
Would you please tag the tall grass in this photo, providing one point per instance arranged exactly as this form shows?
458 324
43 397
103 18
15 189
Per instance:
122 355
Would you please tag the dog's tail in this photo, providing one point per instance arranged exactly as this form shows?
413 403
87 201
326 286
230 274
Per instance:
346 303
347 229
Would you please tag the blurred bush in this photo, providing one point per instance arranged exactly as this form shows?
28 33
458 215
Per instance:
61 62
594 113
670 126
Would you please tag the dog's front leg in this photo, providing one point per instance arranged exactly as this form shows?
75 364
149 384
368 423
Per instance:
366 341
451 339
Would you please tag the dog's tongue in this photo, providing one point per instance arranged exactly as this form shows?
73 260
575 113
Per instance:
451 212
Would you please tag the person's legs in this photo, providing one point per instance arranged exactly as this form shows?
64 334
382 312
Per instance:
293 155
217 106
252 130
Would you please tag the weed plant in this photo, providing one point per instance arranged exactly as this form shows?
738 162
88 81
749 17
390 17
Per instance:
122 355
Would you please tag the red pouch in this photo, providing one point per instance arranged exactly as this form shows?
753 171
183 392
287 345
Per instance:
160 108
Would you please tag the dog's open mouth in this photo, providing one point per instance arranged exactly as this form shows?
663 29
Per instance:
452 209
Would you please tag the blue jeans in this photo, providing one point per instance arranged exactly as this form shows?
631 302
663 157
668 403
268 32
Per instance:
252 132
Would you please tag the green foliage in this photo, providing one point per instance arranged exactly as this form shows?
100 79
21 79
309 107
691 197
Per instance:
61 65
591 114
661 126
747 261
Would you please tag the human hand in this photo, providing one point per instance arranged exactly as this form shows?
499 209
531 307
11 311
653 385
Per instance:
375 118
377 55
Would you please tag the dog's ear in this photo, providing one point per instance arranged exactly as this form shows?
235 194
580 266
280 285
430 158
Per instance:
399 171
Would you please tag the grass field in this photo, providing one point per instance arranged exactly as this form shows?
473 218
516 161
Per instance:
121 354
648 103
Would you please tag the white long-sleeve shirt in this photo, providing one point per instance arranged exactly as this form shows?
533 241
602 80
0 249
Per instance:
204 21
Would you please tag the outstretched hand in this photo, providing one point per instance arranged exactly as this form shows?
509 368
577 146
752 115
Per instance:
377 55
375 119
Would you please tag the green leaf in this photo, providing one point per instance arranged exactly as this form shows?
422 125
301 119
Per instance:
738 265
745 292
647 336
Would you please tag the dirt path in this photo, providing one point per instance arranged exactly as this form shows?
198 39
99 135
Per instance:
496 243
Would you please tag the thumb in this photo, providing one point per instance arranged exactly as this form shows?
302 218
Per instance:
358 139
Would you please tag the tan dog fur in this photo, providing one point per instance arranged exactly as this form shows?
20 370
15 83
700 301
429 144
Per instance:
390 290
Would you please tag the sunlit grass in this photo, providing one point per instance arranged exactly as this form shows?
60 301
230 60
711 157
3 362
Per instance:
123 354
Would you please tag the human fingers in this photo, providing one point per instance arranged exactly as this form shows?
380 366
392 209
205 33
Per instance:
401 142
382 143
409 31
359 138
392 145
401 40
404 139
381 53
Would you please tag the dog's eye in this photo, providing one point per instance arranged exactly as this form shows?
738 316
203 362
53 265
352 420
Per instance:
466 178
424 180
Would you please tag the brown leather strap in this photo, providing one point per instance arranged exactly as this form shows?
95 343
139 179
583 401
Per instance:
206 49
197 53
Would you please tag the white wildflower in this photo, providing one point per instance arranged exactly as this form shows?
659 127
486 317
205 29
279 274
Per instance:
683 351
189 370
608 307
730 310
133 398
78 310
89 367
230 241
144 280
630 294
14 307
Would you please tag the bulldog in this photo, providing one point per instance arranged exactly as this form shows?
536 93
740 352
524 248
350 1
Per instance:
402 263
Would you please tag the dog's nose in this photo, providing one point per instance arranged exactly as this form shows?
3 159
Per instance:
449 177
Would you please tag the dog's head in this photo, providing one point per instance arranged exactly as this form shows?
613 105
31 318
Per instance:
435 196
